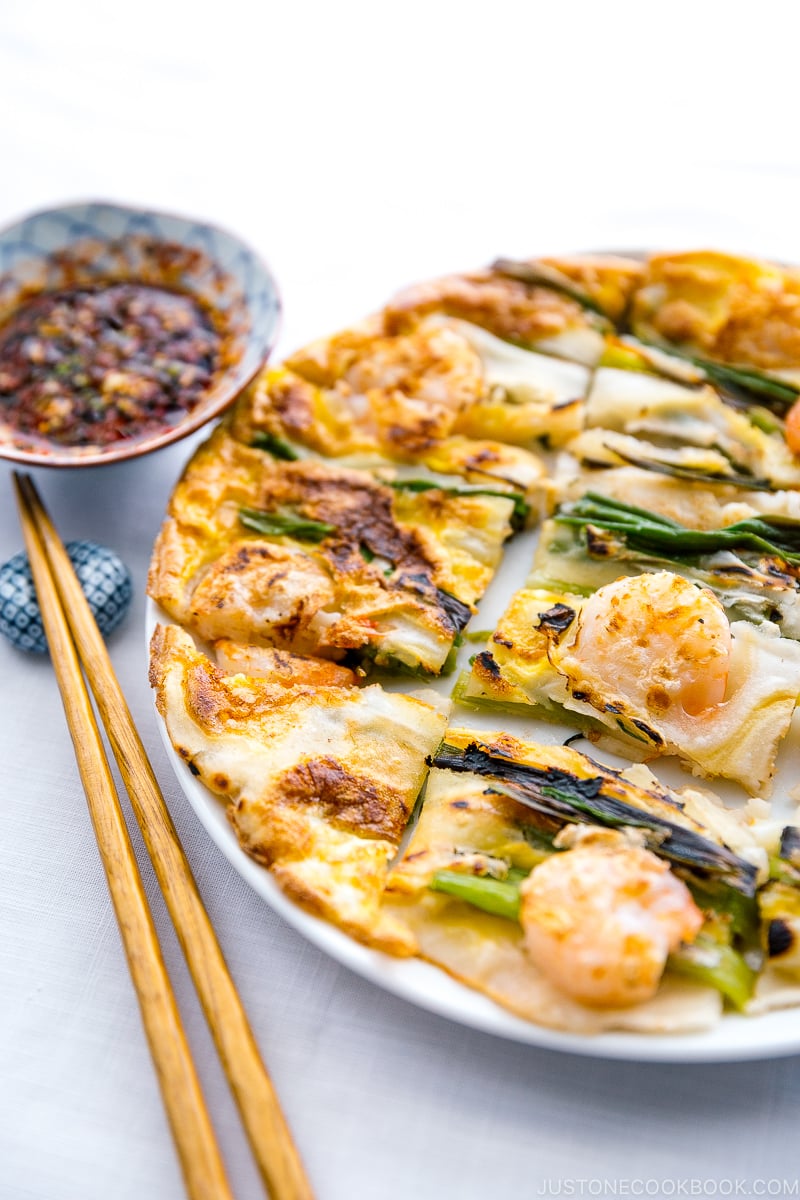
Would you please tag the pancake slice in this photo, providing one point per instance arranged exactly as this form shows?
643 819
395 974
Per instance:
473 829
319 779
324 560
748 557
651 663
433 396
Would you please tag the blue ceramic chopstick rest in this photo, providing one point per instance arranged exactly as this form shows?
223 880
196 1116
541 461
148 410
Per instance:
104 578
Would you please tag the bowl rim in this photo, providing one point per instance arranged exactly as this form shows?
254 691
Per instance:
133 448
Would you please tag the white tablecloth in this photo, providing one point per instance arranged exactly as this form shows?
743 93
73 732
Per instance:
359 147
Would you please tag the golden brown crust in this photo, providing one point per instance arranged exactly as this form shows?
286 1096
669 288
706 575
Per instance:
361 390
285 406
407 397
521 312
347 801
412 387
506 307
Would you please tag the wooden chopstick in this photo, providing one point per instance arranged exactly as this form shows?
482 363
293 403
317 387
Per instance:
191 1128
265 1125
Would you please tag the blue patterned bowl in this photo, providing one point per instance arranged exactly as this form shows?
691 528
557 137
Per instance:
88 244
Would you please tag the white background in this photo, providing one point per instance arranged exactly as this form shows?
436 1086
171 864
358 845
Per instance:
358 147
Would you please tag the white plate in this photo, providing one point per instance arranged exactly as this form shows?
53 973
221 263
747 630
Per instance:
734 1038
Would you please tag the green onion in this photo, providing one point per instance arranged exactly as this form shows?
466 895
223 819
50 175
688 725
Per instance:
774 394
717 965
521 506
783 872
451 662
284 524
390 662
745 382
540 840
767 422
695 474
496 896
740 911
649 532
275 446
546 710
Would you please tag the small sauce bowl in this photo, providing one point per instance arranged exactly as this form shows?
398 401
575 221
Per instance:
94 245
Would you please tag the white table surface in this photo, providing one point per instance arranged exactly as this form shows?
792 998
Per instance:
358 147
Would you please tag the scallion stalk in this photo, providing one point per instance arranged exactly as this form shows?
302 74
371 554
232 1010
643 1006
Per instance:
521 506
717 965
274 445
566 798
748 383
649 532
499 897
284 524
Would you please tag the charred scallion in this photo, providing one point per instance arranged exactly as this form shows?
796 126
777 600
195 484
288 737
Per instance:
564 797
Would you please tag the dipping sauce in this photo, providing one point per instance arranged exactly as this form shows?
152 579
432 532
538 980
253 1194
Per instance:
96 365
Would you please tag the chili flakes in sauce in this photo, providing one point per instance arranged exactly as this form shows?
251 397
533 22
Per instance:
95 365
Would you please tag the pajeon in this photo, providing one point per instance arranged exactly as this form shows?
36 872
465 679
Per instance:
351 511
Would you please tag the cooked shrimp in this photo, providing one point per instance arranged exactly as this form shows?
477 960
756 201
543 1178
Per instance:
406 390
661 640
735 310
793 428
600 920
